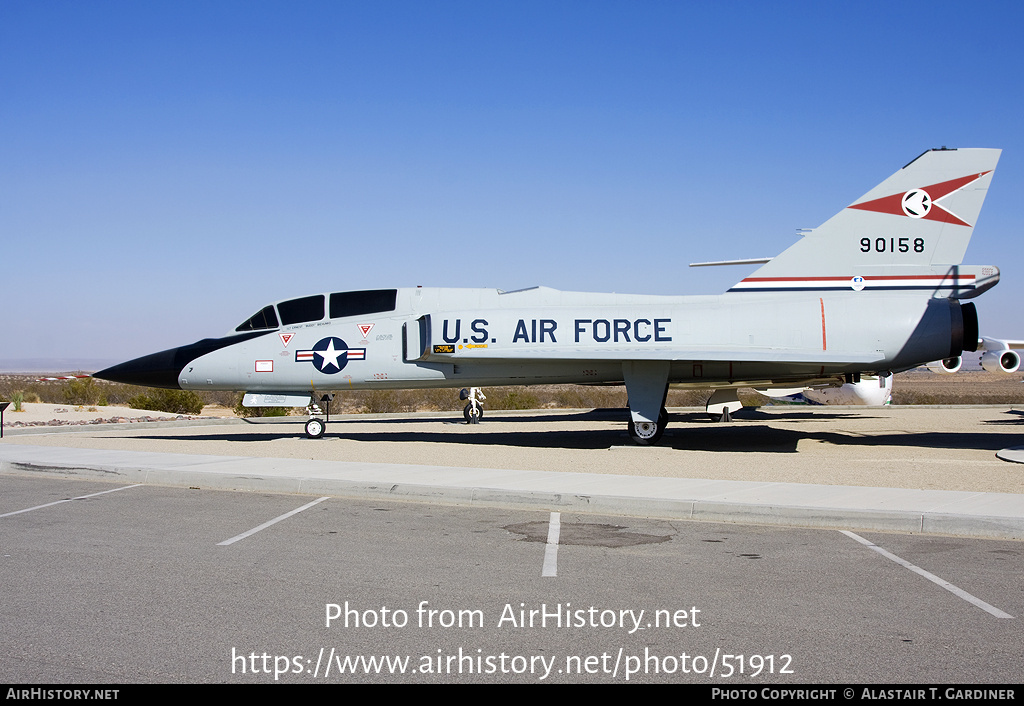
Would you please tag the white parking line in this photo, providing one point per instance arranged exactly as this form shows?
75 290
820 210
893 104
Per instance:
67 500
551 550
931 577
268 523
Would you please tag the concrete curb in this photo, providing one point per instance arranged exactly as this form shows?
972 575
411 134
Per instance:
984 515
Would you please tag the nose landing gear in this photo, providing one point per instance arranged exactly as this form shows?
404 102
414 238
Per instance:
315 427
474 411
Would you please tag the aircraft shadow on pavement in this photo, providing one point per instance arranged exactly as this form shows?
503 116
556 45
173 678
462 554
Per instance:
449 417
607 414
731 438
1017 419
686 432
793 415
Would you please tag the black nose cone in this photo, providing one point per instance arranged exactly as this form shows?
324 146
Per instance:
162 369
155 370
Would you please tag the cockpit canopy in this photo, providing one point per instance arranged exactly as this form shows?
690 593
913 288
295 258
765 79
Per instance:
263 319
304 309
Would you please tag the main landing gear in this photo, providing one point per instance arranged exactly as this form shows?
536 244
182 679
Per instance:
315 427
648 433
474 411
647 387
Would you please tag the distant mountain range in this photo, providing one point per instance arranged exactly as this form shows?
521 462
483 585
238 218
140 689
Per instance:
36 366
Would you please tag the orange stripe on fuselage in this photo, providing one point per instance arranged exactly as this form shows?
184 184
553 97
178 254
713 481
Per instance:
823 346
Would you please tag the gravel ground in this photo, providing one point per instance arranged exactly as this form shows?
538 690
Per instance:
951 448
37 413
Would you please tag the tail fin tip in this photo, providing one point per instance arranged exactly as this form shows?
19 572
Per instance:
915 224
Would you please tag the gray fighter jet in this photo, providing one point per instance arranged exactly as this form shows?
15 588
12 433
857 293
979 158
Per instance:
874 290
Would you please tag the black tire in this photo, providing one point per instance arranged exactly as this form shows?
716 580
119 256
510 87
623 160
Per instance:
473 414
652 439
315 428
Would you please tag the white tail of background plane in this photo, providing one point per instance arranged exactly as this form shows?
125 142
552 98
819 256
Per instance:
908 233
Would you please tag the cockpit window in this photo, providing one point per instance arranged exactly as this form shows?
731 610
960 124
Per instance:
371 301
297 311
263 319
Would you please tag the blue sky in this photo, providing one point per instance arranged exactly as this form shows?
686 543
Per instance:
166 169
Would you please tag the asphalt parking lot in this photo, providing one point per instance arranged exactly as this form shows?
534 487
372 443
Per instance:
115 578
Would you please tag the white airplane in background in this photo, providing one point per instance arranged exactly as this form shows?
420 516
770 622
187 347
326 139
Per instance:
869 391
997 356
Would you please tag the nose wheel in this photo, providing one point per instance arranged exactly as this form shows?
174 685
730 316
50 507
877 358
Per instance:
315 428
474 411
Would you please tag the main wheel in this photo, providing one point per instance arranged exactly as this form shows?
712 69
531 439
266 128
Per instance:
315 428
648 433
473 413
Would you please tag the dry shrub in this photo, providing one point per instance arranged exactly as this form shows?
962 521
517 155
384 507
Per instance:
173 401
443 399
918 387
585 396
687 398
80 391
752 398
511 398
381 402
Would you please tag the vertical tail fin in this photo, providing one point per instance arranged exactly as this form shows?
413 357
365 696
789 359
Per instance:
909 232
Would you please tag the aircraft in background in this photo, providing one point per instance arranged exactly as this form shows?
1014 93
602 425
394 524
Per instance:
869 391
997 356
874 290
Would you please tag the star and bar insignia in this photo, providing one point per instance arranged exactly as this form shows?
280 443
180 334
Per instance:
330 355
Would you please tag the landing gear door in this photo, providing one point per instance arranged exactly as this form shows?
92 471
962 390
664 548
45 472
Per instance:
416 339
